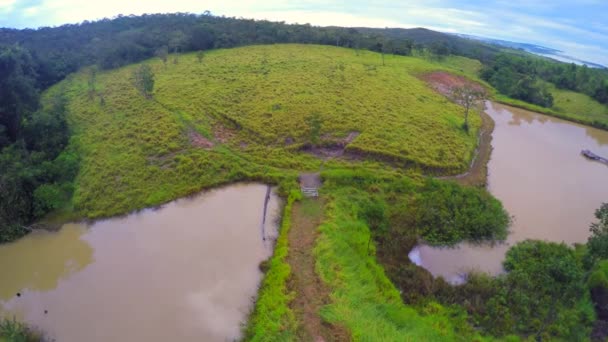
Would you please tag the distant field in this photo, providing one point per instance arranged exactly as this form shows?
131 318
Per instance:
245 113
577 103
567 105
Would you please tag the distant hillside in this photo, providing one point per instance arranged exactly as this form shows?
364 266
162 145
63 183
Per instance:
425 37
535 49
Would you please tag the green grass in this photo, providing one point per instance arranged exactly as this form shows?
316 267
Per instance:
567 101
137 153
272 319
363 298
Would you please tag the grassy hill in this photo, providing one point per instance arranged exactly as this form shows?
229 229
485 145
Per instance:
245 113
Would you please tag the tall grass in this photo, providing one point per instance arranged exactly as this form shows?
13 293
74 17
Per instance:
272 319
249 102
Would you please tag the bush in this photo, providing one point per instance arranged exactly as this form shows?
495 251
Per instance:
541 295
446 213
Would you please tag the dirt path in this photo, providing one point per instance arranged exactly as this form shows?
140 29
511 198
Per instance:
311 292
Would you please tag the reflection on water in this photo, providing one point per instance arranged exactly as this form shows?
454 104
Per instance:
38 262
536 170
185 272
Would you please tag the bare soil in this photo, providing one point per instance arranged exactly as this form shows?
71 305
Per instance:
311 292
197 140
331 147
444 82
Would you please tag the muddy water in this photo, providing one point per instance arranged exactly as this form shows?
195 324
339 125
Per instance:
536 170
185 272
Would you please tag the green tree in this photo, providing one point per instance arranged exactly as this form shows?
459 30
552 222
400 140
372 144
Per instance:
143 80
199 55
597 243
540 293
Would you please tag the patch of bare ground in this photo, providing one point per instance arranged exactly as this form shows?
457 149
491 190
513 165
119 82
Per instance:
331 147
223 134
311 293
197 140
444 82
477 175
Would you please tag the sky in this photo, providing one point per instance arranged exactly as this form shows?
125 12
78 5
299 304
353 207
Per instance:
579 28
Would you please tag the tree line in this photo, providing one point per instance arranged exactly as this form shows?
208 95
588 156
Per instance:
518 76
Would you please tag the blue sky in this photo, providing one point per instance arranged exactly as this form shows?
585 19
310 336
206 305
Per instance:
579 28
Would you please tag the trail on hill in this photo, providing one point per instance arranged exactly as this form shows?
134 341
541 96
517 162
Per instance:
311 292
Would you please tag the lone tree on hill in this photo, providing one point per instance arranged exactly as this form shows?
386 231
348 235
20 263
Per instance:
199 55
469 97
143 80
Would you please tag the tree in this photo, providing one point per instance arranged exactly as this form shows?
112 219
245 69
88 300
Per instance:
540 294
143 80
469 97
163 53
199 55
597 244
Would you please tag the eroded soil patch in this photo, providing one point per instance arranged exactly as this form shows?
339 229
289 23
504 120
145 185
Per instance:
331 147
197 140
444 82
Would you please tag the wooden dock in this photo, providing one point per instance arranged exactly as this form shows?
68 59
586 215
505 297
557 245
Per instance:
590 155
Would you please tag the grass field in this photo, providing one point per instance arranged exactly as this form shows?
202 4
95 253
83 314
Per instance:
253 105
566 101
567 105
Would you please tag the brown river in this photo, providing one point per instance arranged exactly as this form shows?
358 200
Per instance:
188 271
543 181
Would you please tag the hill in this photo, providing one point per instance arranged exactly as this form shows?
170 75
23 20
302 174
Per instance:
255 109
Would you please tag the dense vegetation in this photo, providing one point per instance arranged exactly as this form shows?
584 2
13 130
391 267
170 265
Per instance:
12 330
35 170
574 92
364 301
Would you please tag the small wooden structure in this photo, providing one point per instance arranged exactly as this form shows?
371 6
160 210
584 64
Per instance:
310 184
590 155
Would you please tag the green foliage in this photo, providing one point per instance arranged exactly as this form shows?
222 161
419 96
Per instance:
364 300
513 76
599 275
542 294
446 213
272 318
12 330
143 80
597 244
